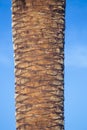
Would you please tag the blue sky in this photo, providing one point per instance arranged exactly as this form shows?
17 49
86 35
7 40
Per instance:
75 66
7 109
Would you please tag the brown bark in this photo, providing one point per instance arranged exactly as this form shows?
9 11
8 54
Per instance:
38 36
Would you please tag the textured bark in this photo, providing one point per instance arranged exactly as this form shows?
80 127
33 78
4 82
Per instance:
38 36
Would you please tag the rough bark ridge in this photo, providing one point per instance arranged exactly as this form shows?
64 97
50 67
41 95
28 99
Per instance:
38 36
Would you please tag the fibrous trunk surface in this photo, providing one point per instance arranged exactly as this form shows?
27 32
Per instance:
38 36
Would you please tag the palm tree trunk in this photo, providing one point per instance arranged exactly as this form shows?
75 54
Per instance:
38 36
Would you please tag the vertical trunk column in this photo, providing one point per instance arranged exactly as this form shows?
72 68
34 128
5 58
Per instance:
38 36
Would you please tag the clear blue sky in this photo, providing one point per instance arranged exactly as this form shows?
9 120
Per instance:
75 67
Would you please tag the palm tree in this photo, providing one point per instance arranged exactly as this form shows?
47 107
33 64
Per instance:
38 36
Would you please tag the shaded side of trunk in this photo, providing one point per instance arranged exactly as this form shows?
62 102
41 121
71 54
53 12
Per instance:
38 36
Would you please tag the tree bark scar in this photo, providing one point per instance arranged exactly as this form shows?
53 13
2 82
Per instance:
21 4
